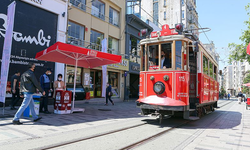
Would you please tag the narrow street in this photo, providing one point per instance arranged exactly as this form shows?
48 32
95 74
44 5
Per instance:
120 127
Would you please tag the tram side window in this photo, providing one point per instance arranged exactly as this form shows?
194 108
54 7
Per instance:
153 57
211 69
215 73
166 56
178 47
143 58
205 65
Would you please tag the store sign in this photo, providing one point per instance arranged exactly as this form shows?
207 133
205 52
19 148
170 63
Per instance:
31 34
37 1
135 68
124 65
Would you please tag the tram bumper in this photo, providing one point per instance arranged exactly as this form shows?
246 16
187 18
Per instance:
161 103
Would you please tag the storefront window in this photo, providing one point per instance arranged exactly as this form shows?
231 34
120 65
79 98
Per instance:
113 80
71 74
113 46
95 39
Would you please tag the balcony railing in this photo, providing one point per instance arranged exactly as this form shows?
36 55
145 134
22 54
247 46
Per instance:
93 12
90 45
78 4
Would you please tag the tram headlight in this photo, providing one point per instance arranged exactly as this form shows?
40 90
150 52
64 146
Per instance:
159 87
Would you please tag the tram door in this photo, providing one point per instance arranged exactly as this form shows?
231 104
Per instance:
193 78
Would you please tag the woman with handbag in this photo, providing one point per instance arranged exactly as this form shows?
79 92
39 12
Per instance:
109 94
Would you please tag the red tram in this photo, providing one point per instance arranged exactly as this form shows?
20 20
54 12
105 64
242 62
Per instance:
178 76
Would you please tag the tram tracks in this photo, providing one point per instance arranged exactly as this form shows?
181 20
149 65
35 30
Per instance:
129 146
146 140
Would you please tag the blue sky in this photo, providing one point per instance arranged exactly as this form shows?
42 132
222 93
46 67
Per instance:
226 19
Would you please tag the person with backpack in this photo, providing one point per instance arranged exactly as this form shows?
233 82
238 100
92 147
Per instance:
109 94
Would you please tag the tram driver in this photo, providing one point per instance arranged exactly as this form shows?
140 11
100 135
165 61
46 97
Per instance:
165 62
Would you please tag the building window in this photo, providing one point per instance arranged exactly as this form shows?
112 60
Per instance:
98 9
165 3
113 46
133 47
133 7
75 34
183 15
79 4
96 39
165 15
155 12
114 17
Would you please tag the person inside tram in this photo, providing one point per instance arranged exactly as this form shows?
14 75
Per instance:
165 62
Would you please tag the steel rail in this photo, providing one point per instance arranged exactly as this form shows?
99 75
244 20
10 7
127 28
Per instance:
146 140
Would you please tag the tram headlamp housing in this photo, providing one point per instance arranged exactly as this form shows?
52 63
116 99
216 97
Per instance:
159 87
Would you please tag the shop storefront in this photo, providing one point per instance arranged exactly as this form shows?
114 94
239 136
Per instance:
37 25
134 72
115 76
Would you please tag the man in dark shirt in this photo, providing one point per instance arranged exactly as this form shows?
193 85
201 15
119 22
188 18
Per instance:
45 84
15 79
28 87
108 94
165 62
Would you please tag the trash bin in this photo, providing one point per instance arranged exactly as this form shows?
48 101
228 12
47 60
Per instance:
27 112
87 95
248 103
62 103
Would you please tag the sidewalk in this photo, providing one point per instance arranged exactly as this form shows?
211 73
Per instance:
231 130
79 103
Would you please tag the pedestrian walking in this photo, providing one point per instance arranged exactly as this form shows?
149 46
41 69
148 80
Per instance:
28 87
46 86
15 79
228 96
109 94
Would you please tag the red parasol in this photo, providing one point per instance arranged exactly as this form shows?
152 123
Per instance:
246 84
77 56
248 49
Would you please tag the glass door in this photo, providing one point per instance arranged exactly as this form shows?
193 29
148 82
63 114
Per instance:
95 83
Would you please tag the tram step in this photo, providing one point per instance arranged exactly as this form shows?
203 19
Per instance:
193 118
192 109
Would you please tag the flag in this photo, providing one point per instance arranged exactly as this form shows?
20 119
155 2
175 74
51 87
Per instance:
7 51
104 69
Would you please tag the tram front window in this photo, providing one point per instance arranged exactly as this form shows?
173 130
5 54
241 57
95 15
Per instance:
166 61
153 57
